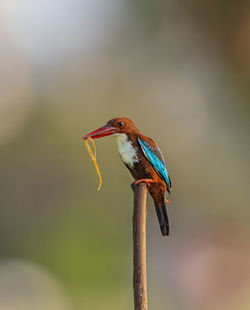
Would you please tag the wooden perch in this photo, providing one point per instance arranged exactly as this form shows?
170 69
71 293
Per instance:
139 247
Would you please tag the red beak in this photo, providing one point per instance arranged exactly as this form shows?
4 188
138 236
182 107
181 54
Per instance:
101 132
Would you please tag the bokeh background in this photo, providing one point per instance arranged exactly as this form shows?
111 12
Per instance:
181 71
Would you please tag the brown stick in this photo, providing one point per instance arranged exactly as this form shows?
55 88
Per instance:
139 247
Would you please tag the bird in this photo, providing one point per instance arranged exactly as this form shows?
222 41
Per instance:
144 160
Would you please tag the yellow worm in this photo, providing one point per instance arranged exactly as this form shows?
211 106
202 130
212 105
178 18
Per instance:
93 157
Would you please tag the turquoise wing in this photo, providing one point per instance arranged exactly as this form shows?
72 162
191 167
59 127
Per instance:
156 159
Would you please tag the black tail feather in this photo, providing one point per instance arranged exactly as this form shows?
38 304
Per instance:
163 219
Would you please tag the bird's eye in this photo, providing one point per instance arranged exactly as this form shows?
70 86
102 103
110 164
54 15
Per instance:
120 124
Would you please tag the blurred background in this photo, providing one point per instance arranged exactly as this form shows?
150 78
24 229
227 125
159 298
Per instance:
181 70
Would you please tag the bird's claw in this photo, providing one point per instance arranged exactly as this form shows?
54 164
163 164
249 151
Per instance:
146 181
168 201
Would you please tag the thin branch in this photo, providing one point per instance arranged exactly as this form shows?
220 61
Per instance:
139 247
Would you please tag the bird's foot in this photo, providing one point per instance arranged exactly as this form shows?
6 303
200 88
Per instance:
168 201
146 181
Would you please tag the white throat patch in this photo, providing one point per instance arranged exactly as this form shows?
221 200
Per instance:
126 150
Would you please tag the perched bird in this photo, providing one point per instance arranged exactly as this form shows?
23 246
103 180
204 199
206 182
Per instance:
144 160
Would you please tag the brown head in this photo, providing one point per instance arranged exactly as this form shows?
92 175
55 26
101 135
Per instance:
114 126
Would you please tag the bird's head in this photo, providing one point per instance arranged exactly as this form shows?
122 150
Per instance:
119 125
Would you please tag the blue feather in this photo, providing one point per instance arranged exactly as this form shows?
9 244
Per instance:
155 157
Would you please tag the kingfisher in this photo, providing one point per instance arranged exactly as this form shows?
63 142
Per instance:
143 159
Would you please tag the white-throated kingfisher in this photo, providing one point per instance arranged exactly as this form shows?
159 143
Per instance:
144 160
